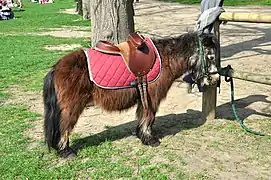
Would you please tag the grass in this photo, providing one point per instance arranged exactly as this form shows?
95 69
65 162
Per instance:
105 160
23 57
228 2
36 17
23 64
25 60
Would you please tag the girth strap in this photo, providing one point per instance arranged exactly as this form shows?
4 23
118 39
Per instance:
142 86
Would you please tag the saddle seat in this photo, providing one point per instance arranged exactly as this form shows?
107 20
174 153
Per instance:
139 57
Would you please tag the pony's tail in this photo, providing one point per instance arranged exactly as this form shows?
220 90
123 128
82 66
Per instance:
51 112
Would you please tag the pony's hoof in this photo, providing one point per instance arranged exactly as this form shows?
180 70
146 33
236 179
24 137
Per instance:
154 142
67 153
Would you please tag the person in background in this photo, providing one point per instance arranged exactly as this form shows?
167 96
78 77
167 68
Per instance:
3 3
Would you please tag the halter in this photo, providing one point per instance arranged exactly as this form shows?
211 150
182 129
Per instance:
201 53
203 66
189 77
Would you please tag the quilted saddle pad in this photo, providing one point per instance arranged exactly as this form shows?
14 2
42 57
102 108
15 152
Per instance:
110 71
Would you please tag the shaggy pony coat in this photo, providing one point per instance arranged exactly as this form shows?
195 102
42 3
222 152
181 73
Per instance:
67 89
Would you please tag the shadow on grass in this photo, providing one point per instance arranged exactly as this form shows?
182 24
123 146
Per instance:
172 124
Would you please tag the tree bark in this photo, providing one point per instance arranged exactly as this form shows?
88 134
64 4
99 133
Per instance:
111 20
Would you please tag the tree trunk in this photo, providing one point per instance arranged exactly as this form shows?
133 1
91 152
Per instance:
111 20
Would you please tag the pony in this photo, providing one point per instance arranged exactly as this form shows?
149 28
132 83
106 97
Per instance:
67 88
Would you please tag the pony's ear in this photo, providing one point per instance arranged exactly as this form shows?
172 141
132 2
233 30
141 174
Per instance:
209 40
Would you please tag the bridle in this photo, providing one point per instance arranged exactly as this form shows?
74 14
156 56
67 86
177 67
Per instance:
191 78
204 68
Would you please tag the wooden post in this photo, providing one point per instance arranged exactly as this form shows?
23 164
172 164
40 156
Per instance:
246 17
210 96
247 76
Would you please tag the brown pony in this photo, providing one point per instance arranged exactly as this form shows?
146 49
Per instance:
67 89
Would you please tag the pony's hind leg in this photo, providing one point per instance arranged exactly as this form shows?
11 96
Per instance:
72 104
66 92
62 109
69 118
146 119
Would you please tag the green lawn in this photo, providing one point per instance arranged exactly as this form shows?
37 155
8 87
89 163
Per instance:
23 64
228 2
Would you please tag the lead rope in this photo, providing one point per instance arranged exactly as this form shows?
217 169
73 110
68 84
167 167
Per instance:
225 72
230 79
233 106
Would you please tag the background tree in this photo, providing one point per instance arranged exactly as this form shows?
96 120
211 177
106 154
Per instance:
79 5
111 20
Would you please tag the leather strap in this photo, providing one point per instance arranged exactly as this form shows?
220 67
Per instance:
142 87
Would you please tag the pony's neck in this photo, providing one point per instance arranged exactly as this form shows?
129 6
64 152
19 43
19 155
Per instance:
175 53
167 77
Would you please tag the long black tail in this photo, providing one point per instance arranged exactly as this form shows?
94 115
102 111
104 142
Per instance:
51 112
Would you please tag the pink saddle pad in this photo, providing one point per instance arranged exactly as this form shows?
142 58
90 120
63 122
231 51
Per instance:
110 71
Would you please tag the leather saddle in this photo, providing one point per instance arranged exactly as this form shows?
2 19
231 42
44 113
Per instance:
137 54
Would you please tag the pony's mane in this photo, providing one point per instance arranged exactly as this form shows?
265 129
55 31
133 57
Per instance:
183 45
185 48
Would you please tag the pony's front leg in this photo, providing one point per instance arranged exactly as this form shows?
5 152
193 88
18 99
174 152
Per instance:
146 119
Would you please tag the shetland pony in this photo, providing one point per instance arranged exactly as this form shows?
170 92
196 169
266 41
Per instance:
67 88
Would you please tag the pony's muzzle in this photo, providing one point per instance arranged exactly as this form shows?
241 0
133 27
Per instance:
214 76
211 78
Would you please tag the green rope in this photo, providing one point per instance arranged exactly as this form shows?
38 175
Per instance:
225 72
233 105
201 55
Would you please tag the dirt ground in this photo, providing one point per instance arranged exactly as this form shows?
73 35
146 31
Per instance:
245 46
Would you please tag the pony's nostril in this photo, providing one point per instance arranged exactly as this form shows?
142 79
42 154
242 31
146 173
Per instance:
211 57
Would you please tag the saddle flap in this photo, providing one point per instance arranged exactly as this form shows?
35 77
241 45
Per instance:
139 60
125 51
143 60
